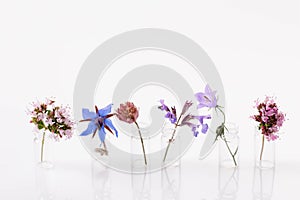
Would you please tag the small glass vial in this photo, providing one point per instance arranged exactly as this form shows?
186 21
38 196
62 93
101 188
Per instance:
171 146
264 151
229 146
43 150
140 163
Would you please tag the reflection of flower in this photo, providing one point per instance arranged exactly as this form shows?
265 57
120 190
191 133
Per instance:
208 99
55 119
129 113
270 119
186 120
99 121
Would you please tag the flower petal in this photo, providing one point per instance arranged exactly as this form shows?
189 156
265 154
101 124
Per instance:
101 134
104 111
90 129
204 128
186 106
199 96
86 114
207 89
109 123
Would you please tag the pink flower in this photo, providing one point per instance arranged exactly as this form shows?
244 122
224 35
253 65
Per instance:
272 137
264 119
280 119
54 119
269 117
127 112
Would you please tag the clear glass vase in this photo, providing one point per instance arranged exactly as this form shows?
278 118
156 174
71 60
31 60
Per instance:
170 145
139 162
139 149
229 146
264 151
43 150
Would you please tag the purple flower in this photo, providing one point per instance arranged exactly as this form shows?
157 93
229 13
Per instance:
207 99
201 119
171 117
195 130
171 114
186 106
187 121
163 106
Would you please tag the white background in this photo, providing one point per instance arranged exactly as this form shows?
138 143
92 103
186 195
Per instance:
254 44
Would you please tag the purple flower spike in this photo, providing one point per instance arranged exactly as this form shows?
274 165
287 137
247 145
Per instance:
186 107
204 128
201 119
171 114
207 99
163 106
171 117
194 129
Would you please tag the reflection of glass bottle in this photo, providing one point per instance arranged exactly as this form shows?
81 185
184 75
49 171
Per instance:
229 145
141 186
101 181
45 183
263 181
170 180
228 182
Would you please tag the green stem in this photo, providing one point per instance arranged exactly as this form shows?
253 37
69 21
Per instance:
232 155
218 107
142 141
170 140
230 151
42 148
262 147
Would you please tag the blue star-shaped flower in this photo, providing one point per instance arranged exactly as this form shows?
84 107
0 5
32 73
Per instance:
98 121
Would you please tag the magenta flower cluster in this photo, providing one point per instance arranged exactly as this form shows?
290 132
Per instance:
269 117
49 117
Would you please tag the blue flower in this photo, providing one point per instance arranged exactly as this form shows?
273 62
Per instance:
98 121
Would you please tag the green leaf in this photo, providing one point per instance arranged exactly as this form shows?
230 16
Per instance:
40 126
